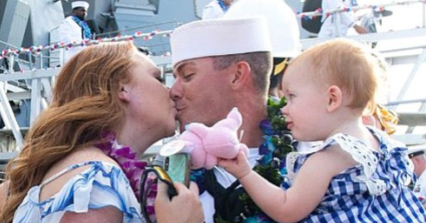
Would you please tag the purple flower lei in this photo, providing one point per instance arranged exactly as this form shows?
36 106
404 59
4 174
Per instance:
131 166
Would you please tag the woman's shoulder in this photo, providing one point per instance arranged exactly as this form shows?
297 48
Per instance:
80 156
71 166
101 185
89 154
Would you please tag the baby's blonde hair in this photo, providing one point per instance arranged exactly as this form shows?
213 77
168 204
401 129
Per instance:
346 64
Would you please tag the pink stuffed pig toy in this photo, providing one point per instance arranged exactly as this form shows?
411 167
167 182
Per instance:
206 144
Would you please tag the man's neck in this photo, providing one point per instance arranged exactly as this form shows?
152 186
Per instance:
253 137
253 115
77 17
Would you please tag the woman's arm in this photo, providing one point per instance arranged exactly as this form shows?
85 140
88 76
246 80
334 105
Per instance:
106 215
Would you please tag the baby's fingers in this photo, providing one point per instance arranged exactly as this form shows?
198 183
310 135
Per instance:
241 157
225 162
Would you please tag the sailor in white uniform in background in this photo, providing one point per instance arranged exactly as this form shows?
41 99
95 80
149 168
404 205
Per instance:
216 9
74 28
418 157
344 20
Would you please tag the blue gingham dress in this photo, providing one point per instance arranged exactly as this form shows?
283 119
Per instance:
102 185
373 191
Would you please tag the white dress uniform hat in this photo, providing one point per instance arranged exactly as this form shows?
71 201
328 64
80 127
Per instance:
282 23
416 150
216 37
77 4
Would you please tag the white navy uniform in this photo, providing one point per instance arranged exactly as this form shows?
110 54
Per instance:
69 32
213 10
225 179
347 19
420 186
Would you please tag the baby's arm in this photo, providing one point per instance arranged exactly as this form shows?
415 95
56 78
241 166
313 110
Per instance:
305 194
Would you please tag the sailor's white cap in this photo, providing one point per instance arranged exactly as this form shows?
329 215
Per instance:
282 23
216 37
416 150
77 4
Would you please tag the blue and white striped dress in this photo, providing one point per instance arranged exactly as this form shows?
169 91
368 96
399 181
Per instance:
102 185
373 191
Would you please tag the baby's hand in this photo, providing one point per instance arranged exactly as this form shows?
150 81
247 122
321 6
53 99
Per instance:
239 167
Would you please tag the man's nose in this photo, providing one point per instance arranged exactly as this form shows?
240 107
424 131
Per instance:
175 91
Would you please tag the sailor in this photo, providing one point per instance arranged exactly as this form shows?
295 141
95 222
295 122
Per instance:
74 29
345 20
216 9
417 156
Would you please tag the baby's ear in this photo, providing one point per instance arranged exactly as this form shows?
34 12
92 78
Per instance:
335 95
197 128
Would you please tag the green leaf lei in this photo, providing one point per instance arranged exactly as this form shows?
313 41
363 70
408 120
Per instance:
278 143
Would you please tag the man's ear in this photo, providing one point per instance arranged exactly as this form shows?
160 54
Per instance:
123 93
242 73
334 94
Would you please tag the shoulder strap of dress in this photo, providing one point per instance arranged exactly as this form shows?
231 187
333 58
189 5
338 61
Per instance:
66 170
290 162
365 157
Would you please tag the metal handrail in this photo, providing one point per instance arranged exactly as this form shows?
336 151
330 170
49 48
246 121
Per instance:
8 44
393 103
138 28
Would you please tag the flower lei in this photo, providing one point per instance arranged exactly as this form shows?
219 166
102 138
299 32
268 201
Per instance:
278 143
131 166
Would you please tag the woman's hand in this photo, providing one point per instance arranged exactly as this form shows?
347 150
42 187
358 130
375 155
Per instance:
185 207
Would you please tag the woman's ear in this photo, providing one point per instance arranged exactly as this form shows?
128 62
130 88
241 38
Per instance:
242 74
334 98
123 93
